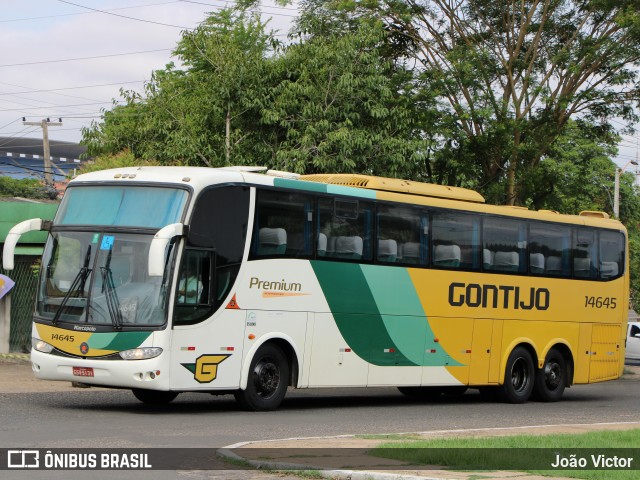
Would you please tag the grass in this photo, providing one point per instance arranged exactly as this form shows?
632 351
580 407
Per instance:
512 452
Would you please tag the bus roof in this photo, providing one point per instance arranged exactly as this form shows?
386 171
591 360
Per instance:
364 186
397 185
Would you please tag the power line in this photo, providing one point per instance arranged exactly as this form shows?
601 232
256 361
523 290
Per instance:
251 10
106 12
65 88
85 58
86 13
51 107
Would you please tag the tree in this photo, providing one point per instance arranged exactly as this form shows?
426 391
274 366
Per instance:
329 103
344 106
204 114
513 73
119 160
26 188
576 173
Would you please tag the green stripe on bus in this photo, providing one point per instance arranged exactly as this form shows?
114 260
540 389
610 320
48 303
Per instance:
356 313
324 188
117 341
300 185
403 315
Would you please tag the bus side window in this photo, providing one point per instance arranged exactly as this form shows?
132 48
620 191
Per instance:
217 233
611 255
193 296
347 225
553 242
283 225
403 235
504 248
585 254
456 241
194 275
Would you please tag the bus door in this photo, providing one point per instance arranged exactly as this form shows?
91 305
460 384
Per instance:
207 349
604 355
485 352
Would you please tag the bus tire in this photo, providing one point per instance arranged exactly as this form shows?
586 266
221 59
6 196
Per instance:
154 397
267 382
551 379
518 377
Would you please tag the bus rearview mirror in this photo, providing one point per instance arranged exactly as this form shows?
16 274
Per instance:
14 235
158 247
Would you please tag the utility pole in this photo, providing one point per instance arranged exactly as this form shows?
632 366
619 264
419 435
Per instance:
616 187
45 123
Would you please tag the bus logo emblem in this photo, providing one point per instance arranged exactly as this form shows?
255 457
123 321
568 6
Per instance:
205 370
84 348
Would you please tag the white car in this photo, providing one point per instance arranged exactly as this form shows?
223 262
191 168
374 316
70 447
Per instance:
633 341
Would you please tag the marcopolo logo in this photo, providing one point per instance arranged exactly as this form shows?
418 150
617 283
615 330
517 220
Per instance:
498 296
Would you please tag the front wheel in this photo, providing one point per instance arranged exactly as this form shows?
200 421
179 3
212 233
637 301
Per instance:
518 377
267 382
154 397
551 379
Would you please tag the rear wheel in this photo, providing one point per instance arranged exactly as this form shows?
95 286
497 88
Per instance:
551 379
267 382
154 397
518 377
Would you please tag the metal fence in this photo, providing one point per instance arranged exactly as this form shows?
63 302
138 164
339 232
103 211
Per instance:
23 297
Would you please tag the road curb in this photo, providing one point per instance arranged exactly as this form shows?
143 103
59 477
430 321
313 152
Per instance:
331 474
233 453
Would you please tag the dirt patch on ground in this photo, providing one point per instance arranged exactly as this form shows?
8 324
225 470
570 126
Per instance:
16 376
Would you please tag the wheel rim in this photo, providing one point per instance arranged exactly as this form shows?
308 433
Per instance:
553 375
266 377
520 375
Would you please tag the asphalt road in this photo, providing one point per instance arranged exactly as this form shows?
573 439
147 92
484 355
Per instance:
114 418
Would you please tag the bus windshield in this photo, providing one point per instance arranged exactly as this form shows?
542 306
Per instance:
100 278
122 206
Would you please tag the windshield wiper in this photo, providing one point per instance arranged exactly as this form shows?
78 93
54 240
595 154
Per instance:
77 285
109 290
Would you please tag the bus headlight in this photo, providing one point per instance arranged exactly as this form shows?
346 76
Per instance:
143 353
41 345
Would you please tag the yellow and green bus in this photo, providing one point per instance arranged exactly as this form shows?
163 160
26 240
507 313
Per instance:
236 280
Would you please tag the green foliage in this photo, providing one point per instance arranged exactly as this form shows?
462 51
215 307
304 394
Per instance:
203 115
339 103
25 188
511 76
342 106
119 160
558 183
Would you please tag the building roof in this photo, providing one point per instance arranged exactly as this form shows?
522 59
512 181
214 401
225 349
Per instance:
24 158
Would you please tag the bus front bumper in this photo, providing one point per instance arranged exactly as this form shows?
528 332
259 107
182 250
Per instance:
152 374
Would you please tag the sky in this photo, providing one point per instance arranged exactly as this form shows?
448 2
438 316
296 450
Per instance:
60 60
63 59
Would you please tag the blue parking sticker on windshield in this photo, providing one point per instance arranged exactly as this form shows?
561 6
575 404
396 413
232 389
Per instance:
107 242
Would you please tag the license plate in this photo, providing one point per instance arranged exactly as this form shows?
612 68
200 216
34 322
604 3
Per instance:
83 371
